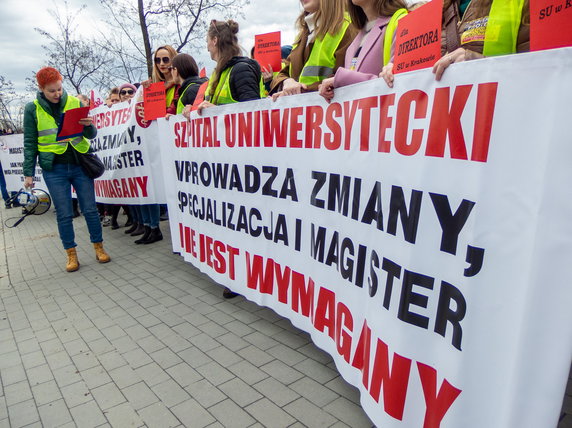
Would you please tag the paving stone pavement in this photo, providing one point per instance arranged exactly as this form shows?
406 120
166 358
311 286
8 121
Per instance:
148 341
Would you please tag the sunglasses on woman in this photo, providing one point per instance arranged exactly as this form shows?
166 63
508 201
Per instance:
166 60
126 92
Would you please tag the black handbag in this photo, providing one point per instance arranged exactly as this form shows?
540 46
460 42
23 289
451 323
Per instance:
91 164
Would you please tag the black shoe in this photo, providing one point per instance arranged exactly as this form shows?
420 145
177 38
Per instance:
8 206
132 228
145 235
114 224
140 230
229 294
154 236
129 223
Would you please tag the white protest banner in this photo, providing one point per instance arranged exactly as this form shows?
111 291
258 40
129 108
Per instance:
128 147
420 234
12 159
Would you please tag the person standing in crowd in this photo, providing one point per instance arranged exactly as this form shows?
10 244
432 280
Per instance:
320 48
4 189
478 29
235 78
185 73
162 73
372 48
113 97
59 162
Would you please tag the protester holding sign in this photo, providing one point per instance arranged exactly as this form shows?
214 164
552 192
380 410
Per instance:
236 78
162 73
373 46
186 75
477 29
59 161
319 50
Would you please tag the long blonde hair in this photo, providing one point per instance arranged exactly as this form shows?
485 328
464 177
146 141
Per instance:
157 75
382 8
329 19
226 45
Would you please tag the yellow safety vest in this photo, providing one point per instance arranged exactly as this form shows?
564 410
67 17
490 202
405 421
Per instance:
169 95
389 32
48 130
321 63
180 105
222 94
502 27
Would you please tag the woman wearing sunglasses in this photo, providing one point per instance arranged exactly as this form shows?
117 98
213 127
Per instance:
126 92
162 73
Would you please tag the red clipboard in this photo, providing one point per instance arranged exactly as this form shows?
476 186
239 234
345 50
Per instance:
69 123
267 50
154 101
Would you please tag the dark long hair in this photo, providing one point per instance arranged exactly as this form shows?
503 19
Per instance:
186 65
227 46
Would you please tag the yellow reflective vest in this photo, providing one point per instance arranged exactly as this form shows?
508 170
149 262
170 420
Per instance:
321 62
48 130
501 33
389 33
222 94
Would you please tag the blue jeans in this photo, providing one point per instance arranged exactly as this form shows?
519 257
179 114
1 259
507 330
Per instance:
5 194
59 181
135 211
150 214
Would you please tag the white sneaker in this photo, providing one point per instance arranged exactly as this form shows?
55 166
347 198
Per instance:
106 221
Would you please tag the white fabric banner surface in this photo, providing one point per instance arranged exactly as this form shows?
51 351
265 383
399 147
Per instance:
420 234
129 148
12 158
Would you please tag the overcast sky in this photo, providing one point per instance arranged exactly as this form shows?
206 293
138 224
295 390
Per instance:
20 45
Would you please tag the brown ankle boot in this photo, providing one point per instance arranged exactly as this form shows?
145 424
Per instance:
73 263
100 255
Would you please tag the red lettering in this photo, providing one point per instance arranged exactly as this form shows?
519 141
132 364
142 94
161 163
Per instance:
302 296
257 277
437 404
283 282
485 111
313 135
245 129
385 122
295 127
325 312
365 105
343 338
362 354
394 382
445 121
349 115
420 99
333 140
273 130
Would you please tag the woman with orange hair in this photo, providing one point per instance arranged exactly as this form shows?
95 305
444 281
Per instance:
59 162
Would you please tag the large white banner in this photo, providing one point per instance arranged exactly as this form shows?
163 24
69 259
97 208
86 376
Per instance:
129 148
12 159
420 234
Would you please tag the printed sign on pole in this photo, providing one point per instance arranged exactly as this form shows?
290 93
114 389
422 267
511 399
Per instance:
550 24
267 50
418 39
154 101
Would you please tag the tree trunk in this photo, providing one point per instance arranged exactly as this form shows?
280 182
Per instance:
145 34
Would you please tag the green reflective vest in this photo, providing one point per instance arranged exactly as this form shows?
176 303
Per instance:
321 63
389 33
502 27
180 105
48 130
222 94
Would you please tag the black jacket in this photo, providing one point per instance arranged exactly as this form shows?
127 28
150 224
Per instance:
191 94
244 78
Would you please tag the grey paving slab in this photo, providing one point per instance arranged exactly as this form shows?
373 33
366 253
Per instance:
147 340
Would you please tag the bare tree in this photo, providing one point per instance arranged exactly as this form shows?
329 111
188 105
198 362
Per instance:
11 106
72 54
180 23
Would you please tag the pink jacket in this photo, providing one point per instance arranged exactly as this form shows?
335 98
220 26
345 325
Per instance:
370 58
